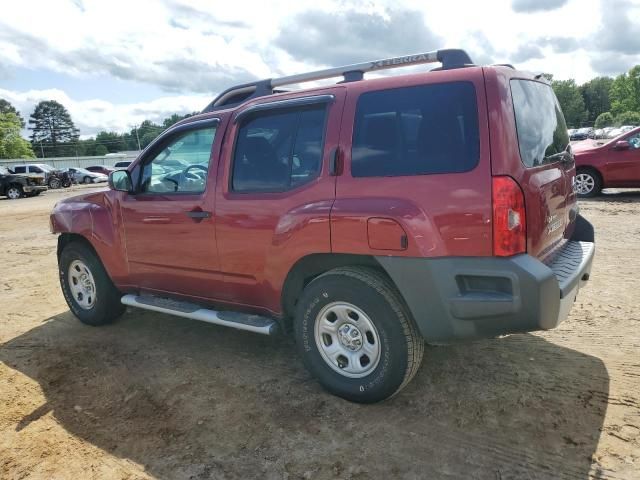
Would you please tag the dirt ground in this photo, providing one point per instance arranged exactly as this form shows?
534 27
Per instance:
154 396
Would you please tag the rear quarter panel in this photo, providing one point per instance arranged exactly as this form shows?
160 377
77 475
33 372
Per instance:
442 214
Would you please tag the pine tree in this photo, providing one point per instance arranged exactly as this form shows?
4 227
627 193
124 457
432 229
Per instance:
53 132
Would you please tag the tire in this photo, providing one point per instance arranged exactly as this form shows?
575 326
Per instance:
54 183
99 304
365 299
86 180
588 183
14 192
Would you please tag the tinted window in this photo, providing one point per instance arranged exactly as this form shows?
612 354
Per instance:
279 150
542 131
19 169
416 131
182 166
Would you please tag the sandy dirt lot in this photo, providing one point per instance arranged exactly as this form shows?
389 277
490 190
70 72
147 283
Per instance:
154 396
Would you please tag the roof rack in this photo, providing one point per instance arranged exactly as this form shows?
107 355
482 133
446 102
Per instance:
450 58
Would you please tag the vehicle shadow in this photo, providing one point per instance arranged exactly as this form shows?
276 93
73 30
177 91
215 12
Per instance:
616 195
191 400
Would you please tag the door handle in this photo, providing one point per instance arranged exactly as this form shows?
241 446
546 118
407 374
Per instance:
156 220
199 214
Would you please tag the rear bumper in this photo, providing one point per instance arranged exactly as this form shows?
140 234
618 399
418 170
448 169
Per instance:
457 298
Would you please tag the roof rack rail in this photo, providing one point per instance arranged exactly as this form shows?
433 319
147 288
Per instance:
450 58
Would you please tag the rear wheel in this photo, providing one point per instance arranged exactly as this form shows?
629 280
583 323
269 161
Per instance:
14 192
588 183
87 288
356 336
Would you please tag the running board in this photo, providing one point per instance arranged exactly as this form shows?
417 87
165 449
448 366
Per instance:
241 321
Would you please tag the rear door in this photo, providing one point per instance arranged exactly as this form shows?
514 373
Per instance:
530 143
275 192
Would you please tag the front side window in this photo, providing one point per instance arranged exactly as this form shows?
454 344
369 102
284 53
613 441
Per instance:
542 132
634 141
182 166
279 150
419 130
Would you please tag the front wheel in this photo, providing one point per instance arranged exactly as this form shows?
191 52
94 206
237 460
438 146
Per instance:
356 336
588 183
14 192
87 288
87 180
54 183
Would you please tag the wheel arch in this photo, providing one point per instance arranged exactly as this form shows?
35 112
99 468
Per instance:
593 169
311 266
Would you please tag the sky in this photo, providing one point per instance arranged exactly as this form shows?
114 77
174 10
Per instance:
116 63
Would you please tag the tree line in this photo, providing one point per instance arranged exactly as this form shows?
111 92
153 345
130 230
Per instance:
600 102
53 134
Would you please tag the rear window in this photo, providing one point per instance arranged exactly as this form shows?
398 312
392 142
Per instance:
419 130
542 131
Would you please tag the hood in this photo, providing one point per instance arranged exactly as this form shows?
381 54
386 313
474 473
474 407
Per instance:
586 145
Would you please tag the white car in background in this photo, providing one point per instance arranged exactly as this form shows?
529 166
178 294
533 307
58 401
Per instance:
82 175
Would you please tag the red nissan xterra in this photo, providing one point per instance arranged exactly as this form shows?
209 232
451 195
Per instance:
368 217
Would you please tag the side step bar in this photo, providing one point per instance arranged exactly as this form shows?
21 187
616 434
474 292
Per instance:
241 321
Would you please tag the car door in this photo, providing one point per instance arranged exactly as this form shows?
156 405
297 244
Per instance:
623 165
168 221
275 192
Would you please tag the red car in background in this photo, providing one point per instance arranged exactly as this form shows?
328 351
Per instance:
101 169
615 163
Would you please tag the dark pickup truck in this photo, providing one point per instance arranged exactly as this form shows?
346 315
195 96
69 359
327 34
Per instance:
13 185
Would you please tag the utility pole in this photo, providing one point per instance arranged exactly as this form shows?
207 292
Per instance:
41 149
137 137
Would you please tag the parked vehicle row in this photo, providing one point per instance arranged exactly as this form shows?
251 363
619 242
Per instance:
14 186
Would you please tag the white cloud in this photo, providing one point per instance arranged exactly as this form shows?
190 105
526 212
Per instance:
92 116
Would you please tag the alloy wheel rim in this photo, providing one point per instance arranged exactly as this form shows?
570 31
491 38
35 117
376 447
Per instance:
82 285
347 340
585 183
13 193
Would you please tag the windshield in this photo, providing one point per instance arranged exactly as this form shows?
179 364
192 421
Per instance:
542 131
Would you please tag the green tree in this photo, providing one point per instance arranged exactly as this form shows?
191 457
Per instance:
604 120
175 118
12 145
571 101
6 107
628 118
625 92
101 150
595 94
52 130
114 142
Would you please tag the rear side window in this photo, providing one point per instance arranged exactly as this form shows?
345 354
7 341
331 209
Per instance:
279 150
416 131
542 131
20 169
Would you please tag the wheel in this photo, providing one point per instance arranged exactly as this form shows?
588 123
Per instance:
54 183
87 288
86 180
14 192
588 183
356 336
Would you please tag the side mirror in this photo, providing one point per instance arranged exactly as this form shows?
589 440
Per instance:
120 180
622 145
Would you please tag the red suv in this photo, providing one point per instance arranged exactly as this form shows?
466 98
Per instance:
615 163
367 217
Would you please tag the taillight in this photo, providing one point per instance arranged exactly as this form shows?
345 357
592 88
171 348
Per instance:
509 223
